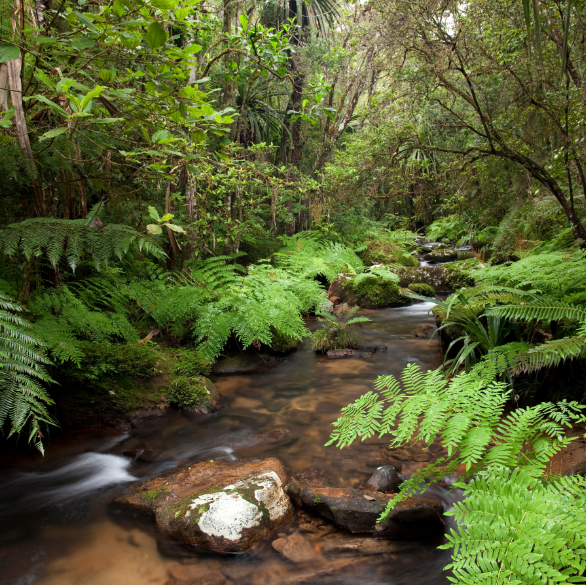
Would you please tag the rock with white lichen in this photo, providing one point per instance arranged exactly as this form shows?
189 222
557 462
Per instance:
213 506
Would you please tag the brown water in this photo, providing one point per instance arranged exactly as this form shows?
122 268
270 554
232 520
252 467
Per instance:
54 523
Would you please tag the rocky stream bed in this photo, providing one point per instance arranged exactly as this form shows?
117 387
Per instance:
244 495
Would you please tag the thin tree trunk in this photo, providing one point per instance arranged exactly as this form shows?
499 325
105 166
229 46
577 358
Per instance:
15 86
175 249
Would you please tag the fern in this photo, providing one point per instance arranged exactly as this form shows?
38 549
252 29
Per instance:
308 255
515 528
467 412
265 301
551 353
23 400
555 274
72 239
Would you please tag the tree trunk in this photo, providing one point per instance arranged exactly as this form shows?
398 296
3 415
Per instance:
15 86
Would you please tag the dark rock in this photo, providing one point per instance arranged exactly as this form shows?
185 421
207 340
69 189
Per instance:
346 508
247 363
358 511
294 492
336 289
384 479
414 518
216 506
381 348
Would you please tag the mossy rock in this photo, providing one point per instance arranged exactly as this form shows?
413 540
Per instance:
383 252
376 292
423 289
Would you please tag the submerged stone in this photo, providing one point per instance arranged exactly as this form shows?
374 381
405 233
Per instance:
215 506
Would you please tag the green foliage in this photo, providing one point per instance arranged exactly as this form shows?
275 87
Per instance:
71 239
101 362
266 301
516 528
467 412
422 289
559 274
23 399
447 229
308 254
337 331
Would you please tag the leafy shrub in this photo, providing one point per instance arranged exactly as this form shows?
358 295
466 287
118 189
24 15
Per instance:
336 332
420 288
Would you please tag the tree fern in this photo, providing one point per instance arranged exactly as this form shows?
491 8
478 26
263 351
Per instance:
23 400
72 239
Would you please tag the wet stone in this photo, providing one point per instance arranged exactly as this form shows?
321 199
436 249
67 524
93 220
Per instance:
341 353
384 479
413 518
216 506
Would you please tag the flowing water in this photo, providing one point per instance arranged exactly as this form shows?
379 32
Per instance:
54 523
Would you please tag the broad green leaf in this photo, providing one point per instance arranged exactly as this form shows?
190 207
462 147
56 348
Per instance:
49 103
90 96
243 21
118 8
155 35
54 132
153 229
8 52
164 4
83 43
160 135
154 214
175 228
107 76
167 217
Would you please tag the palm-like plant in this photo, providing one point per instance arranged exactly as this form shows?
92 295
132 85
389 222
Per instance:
336 332
23 400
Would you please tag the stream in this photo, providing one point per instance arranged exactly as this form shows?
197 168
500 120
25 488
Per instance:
55 528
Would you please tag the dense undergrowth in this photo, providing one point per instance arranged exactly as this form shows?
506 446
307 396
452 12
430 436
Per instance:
182 180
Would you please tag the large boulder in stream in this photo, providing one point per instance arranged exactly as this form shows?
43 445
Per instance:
213 506
357 511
